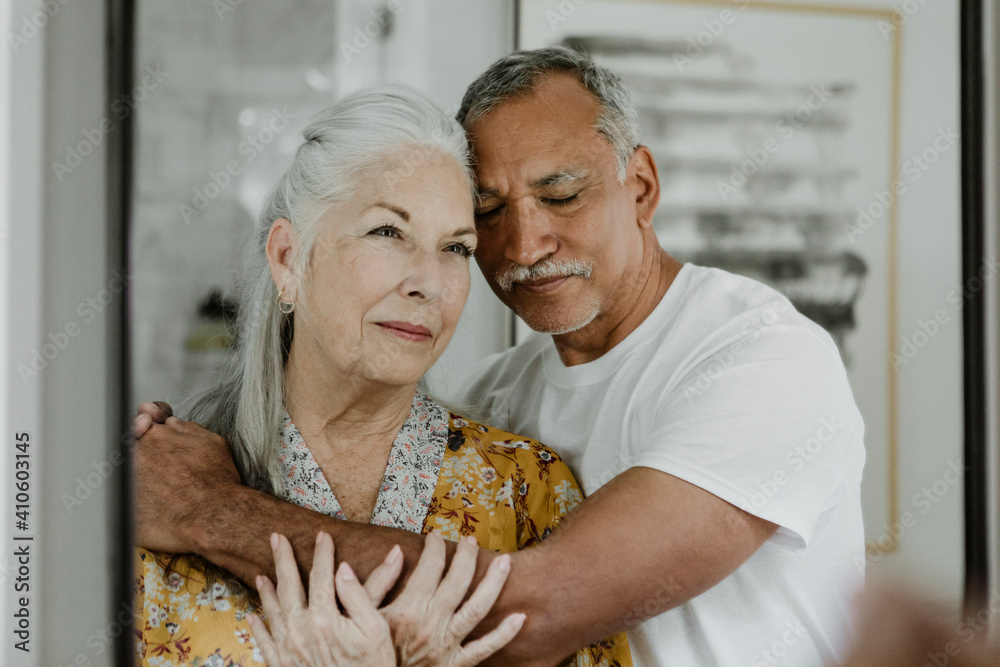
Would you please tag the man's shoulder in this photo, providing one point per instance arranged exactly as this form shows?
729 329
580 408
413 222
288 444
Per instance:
719 307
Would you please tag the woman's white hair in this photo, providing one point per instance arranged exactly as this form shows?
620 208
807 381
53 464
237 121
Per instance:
365 135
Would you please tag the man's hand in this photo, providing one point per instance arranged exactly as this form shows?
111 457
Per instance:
178 468
149 413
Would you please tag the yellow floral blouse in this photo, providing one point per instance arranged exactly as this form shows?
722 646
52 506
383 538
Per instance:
444 474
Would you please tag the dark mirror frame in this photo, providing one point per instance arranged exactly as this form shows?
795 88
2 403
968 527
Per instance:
974 251
120 49
119 72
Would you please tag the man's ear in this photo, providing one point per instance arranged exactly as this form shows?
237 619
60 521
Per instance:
281 250
647 186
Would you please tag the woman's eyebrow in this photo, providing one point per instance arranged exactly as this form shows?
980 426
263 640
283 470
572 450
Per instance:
465 231
395 209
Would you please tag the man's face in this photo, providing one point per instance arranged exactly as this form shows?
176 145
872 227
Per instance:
557 231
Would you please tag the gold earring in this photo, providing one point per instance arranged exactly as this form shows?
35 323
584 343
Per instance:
285 307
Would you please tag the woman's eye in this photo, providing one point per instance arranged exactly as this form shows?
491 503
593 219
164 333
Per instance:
461 249
386 230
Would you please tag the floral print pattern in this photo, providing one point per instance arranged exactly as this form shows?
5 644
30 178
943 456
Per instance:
444 474
410 476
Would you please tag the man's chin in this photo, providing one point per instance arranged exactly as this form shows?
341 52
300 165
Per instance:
555 324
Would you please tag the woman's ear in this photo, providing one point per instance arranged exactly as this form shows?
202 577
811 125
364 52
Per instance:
647 184
281 249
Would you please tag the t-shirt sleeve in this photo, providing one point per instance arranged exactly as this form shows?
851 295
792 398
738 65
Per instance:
766 422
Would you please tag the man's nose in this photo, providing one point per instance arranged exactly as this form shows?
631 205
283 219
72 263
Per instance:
530 238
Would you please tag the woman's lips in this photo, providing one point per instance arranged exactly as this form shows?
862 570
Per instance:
407 331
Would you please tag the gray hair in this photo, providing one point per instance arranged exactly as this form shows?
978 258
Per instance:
365 134
517 73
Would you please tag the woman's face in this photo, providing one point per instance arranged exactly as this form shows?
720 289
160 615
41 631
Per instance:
389 273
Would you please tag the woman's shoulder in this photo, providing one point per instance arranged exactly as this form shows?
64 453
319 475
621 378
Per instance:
467 434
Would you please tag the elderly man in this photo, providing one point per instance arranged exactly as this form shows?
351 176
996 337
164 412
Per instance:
711 425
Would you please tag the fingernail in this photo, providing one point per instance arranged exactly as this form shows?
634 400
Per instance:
503 563
469 539
395 555
517 620
346 573
274 540
257 581
319 538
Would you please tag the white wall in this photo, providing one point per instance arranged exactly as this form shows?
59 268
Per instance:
56 261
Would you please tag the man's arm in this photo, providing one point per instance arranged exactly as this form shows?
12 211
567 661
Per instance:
642 544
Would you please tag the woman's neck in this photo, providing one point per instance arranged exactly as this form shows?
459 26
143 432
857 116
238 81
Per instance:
336 414
348 425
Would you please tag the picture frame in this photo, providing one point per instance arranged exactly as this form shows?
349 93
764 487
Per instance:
821 199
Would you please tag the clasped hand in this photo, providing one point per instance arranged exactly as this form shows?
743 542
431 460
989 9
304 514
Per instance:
423 627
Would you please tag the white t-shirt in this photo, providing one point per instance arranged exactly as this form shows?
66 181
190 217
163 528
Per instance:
726 386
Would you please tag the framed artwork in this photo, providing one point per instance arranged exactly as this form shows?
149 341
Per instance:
786 154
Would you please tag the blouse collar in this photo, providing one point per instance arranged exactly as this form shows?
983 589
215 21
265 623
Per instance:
410 476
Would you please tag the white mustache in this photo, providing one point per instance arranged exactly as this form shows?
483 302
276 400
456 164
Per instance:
553 268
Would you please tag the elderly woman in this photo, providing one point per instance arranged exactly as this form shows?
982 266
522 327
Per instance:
353 285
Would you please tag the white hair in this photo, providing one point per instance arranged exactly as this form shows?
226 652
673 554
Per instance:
366 134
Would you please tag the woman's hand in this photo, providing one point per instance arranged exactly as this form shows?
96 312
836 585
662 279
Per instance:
426 628
318 635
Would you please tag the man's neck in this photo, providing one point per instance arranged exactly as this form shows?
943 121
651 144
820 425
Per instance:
612 327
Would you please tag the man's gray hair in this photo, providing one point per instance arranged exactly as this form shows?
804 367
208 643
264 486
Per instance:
517 74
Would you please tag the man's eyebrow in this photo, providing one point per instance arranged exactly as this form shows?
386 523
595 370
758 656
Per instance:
395 209
559 177
564 176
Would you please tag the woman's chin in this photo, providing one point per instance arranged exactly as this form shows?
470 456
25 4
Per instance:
399 377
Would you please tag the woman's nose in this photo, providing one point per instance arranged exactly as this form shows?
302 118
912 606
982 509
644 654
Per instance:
426 280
